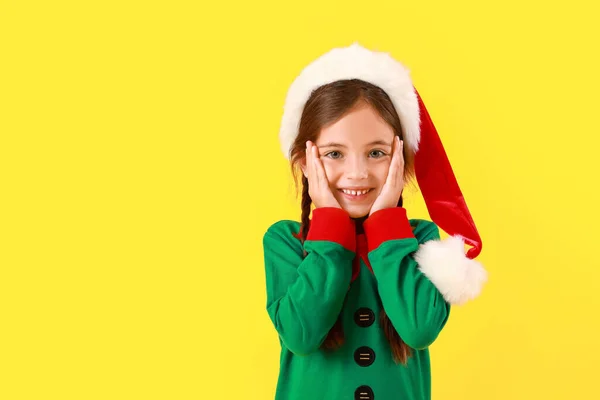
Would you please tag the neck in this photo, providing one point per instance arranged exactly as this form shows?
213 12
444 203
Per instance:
359 223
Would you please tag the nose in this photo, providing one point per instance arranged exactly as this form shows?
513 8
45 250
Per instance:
357 168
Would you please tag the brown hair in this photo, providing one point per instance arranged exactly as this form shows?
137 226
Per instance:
326 105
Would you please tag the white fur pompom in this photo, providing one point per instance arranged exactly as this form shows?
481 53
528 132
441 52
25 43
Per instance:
457 277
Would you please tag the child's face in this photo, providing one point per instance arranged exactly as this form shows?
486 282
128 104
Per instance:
356 152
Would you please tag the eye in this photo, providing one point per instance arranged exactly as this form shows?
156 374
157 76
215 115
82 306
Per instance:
377 153
333 154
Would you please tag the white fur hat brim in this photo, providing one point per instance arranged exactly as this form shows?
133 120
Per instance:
353 62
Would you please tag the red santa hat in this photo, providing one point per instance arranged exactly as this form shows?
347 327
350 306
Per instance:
457 275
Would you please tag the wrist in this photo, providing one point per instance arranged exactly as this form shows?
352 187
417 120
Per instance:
375 209
332 224
387 224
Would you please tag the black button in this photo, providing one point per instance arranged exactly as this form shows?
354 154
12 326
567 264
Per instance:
364 317
364 393
364 356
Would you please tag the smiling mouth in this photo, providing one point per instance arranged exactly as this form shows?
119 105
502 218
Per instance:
356 193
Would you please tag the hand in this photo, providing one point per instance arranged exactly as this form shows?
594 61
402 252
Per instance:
318 184
392 188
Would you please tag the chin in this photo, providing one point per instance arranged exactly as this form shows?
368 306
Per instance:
356 212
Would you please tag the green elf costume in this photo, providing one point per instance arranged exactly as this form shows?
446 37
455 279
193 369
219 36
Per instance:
393 263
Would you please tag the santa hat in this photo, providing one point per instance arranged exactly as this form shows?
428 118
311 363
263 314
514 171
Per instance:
456 275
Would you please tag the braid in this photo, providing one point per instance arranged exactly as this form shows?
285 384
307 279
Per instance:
400 350
335 337
305 205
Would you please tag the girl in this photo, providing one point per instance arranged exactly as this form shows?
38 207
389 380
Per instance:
358 292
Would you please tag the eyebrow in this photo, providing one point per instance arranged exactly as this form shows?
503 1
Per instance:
333 144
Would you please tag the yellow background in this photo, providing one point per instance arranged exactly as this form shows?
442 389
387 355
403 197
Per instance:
140 167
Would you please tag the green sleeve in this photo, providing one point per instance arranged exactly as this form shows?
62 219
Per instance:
414 305
305 295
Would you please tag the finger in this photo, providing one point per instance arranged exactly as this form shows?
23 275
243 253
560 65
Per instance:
309 163
317 167
400 170
398 162
321 172
306 160
401 152
392 172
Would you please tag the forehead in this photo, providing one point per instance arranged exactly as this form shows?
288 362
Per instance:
357 128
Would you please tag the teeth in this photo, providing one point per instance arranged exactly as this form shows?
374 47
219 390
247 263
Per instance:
355 192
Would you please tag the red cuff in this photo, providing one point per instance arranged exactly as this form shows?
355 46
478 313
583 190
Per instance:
333 224
387 224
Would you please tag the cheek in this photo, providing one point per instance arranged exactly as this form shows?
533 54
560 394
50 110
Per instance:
332 171
379 172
